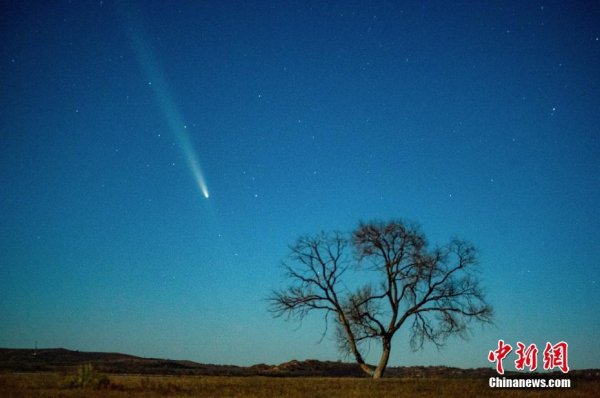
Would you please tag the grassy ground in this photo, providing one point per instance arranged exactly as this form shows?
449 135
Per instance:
56 385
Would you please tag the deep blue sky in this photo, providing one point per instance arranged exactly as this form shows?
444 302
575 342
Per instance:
475 119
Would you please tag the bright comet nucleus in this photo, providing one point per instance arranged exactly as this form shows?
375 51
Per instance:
191 159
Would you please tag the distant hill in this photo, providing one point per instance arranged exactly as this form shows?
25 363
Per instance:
62 360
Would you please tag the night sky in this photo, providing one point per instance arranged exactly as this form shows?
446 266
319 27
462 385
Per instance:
157 158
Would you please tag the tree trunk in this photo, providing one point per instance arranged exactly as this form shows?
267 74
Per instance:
359 359
385 356
353 347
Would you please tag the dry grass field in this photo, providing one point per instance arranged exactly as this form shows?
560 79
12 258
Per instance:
60 385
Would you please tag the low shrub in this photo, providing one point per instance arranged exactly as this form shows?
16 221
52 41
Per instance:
88 377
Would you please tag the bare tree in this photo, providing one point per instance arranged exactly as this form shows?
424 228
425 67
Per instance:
433 292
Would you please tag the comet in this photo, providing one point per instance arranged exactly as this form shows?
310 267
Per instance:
167 105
